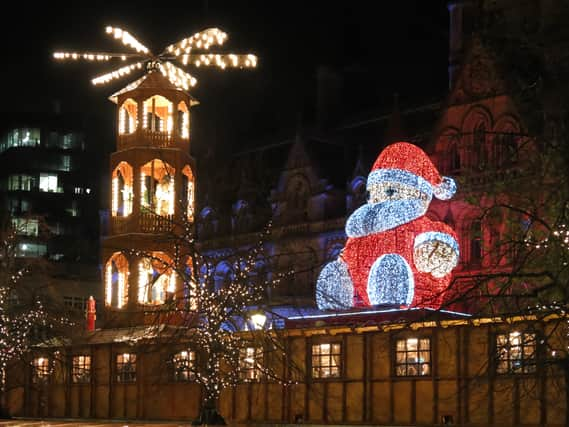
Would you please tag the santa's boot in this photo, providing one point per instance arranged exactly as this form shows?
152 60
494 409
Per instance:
334 288
390 281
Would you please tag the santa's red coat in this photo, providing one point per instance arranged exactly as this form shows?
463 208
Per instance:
361 252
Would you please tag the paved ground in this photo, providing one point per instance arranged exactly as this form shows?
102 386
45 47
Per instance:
86 423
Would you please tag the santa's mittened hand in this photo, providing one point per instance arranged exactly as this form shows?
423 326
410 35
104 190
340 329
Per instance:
435 257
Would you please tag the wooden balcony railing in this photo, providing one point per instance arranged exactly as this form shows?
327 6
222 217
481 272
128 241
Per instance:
149 138
147 222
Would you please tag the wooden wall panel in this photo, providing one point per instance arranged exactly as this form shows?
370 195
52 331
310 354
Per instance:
380 366
446 353
274 399
334 407
448 395
424 401
402 402
354 357
316 402
242 402
380 402
354 402
503 402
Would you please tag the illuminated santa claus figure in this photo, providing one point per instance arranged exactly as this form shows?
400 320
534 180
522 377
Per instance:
394 254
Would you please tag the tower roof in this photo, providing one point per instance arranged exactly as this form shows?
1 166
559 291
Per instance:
152 80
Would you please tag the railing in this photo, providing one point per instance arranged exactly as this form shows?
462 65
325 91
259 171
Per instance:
148 222
149 138
154 223
122 225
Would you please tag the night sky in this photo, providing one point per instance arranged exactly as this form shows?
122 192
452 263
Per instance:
381 47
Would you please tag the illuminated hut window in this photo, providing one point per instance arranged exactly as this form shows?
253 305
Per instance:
250 362
157 114
116 281
122 190
156 280
327 360
183 366
40 370
183 120
128 117
413 357
126 368
188 192
81 369
157 187
516 353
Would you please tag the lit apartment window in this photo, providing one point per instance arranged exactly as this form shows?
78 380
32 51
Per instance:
183 364
40 370
73 209
21 138
31 250
65 163
516 353
326 360
81 369
25 226
20 182
250 360
413 357
48 183
126 368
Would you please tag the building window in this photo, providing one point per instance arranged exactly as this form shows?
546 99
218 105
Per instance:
516 353
65 163
183 365
48 183
413 357
25 226
126 368
81 369
21 138
476 243
75 303
326 360
250 360
20 182
40 370
31 250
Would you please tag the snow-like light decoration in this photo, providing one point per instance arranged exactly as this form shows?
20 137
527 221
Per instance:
116 281
182 53
394 254
184 120
127 117
121 189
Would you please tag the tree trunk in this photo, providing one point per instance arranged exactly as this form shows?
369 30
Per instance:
209 415
3 404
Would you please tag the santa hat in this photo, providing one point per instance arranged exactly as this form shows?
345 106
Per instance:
408 164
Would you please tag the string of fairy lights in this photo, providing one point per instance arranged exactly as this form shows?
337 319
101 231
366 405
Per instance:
18 318
187 52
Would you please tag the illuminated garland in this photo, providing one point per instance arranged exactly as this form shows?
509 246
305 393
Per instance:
19 316
394 254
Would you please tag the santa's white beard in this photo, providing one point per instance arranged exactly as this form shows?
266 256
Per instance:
378 217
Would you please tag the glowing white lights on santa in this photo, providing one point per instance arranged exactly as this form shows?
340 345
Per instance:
394 254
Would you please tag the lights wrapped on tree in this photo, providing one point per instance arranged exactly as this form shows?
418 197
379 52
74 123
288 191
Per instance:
394 254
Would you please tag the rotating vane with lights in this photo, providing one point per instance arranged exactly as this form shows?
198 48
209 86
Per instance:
169 60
